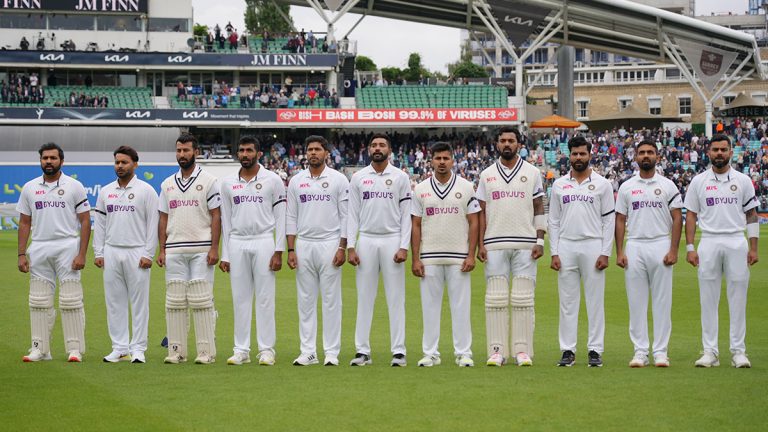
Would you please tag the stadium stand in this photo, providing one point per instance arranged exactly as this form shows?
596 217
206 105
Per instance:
444 96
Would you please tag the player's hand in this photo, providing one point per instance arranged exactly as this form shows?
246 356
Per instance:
276 262
339 257
693 258
601 263
555 264
145 263
213 256
224 266
400 256
79 262
752 257
468 265
23 264
98 262
353 258
417 268
160 260
293 260
537 252
482 253
621 260
670 258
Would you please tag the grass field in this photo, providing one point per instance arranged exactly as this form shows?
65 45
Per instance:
97 396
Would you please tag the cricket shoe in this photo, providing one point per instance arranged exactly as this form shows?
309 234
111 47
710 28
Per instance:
117 357
35 355
205 358
429 361
709 359
661 360
496 359
398 360
595 359
523 359
267 358
306 360
138 358
331 361
465 360
174 359
568 359
740 360
361 360
238 359
74 356
640 360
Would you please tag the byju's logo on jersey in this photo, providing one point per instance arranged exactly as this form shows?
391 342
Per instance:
120 208
578 198
305 198
497 195
721 201
242 199
434 211
637 205
378 195
39 205
183 203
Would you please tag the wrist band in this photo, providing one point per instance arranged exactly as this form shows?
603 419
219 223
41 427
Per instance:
342 248
291 250
753 230
22 254
540 242
689 247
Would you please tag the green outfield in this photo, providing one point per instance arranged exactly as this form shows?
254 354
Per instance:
93 395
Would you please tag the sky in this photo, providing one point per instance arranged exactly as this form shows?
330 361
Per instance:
389 42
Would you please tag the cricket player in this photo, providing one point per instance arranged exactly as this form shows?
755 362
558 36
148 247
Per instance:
722 201
380 211
649 206
253 233
124 244
55 208
512 226
189 230
317 215
445 203
581 230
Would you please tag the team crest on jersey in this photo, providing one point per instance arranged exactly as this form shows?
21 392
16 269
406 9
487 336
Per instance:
591 187
388 182
61 192
131 196
657 191
523 179
199 187
258 186
734 187
458 195
325 185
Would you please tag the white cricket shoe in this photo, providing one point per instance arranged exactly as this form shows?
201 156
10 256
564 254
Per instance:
640 360
117 357
740 360
661 360
398 360
267 358
496 360
35 355
138 357
174 359
709 359
522 359
331 360
306 360
361 360
465 360
74 357
205 358
429 361
239 358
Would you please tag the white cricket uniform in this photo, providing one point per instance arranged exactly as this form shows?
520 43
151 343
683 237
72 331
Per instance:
581 228
125 231
443 208
252 230
647 204
720 201
379 210
317 215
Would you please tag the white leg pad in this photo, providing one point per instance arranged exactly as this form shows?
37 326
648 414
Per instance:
176 317
72 315
201 302
497 315
522 320
40 312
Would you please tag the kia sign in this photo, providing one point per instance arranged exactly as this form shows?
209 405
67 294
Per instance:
431 115
517 19
89 6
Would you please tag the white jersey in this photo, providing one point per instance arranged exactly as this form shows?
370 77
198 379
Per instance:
252 208
443 208
54 207
646 203
582 211
126 217
720 201
317 206
379 204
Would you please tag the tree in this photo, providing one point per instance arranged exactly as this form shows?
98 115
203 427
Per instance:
465 68
415 68
261 15
365 64
200 30
391 73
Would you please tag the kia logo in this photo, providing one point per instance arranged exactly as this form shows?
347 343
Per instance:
116 58
194 114
51 57
179 59
287 115
137 114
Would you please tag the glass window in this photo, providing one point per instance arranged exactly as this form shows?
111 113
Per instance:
624 103
249 79
172 78
728 99
654 106
685 105
168 25
672 73
583 108
104 79
70 22
118 22
126 80
22 21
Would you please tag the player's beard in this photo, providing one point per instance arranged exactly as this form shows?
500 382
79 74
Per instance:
579 166
647 165
122 175
720 163
508 154
50 169
379 157
247 163
186 164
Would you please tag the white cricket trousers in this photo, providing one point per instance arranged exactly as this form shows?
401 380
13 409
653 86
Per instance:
316 275
459 297
50 260
126 285
250 275
718 255
377 254
577 259
646 273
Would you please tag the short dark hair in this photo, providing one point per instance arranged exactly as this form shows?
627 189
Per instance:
441 146
380 135
128 151
509 129
51 146
248 139
579 141
647 142
721 137
318 139
187 137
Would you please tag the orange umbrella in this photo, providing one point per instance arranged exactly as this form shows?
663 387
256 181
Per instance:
555 121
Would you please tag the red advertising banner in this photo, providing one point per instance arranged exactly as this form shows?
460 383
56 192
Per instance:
428 115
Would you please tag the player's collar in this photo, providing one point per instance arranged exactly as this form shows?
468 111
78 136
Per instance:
130 184
508 174
323 173
387 170
195 173
721 177
442 190
256 177
60 182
